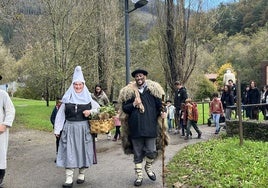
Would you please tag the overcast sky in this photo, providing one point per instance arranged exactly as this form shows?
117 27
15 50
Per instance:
215 3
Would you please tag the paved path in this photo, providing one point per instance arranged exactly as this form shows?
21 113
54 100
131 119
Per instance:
31 162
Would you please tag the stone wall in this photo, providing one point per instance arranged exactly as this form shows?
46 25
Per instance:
252 129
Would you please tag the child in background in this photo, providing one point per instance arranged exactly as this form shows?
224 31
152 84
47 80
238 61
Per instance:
170 115
191 117
216 109
117 124
52 120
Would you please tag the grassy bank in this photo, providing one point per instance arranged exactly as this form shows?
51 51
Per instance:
32 114
220 163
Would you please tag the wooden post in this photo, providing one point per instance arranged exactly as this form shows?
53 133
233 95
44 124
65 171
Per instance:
163 142
238 101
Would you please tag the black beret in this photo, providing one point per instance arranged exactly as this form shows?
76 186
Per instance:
144 72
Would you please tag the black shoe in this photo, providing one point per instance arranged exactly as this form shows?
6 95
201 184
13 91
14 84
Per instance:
199 135
2 175
138 182
79 181
67 185
152 177
186 138
1 182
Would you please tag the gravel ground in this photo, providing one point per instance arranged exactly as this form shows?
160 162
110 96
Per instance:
31 164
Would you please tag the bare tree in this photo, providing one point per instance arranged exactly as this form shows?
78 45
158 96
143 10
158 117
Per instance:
181 28
107 42
69 33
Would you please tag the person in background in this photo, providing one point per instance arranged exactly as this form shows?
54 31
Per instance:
232 88
170 115
216 109
264 100
52 120
142 118
227 99
76 143
179 99
253 97
100 96
7 115
117 124
245 101
190 118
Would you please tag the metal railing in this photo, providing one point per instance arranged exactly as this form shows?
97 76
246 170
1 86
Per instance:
234 107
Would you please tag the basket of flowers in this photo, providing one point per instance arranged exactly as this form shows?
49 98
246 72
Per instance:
102 122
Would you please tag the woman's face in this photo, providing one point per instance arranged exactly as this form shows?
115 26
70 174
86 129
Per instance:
252 84
78 87
98 89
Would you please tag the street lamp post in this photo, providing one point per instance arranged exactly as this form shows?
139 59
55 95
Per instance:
138 4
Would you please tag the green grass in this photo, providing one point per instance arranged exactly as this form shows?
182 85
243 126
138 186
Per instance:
32 114
220 163
203 113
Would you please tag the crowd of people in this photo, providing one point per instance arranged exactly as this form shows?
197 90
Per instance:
139 120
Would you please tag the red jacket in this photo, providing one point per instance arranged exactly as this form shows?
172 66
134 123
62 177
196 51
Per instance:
190 112
216 106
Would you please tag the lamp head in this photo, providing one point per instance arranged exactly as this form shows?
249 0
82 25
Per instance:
140 3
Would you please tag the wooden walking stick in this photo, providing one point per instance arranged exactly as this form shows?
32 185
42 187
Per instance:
163 141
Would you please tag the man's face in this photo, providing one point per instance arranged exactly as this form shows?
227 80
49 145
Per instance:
78 87
178 86
140 79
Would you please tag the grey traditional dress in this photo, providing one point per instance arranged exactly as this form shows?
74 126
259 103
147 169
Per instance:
76 144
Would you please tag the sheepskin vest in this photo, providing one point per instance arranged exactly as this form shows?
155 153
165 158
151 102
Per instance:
129 92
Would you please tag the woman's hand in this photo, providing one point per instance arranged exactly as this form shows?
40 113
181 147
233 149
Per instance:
2 128
86 113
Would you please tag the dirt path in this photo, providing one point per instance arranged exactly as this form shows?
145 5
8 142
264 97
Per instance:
31 162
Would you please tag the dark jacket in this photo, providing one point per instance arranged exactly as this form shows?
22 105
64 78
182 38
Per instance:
180 97
143 124
53 114
253 96
227 99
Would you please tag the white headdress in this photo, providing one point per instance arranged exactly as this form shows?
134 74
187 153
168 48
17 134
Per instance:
78 75
77 98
